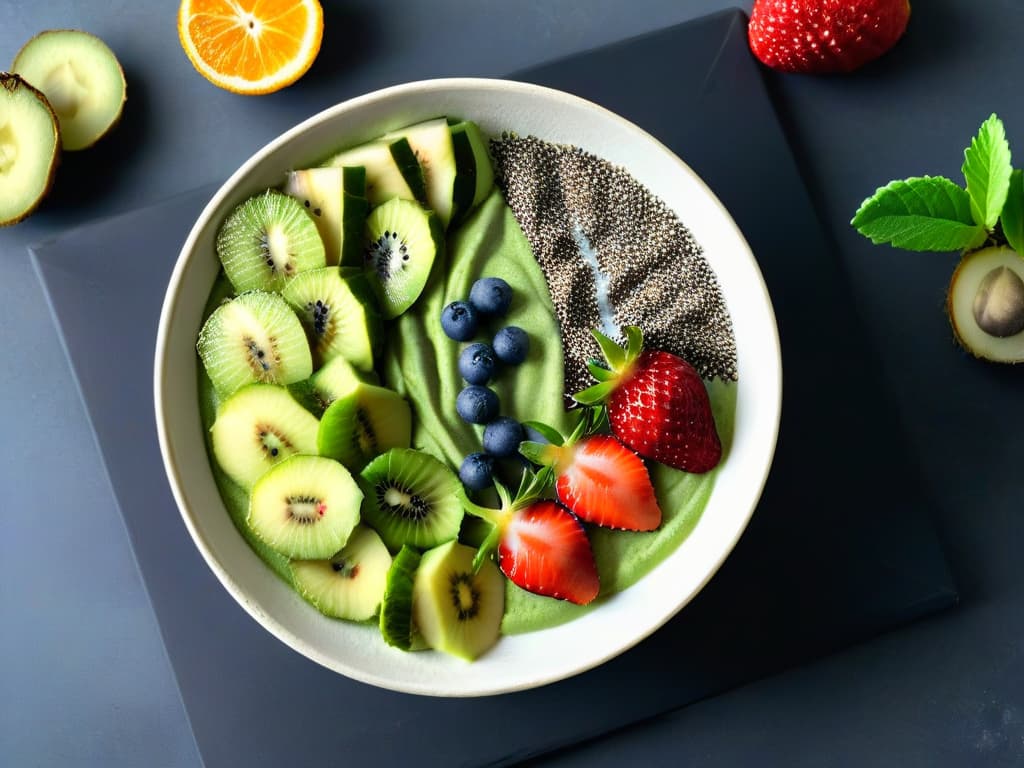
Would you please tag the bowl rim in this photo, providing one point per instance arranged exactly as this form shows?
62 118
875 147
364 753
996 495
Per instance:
169 310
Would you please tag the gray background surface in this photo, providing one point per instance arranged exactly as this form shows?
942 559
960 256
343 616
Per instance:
945 691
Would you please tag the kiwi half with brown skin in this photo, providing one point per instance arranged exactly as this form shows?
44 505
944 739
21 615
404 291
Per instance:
986 304
29 148
82 80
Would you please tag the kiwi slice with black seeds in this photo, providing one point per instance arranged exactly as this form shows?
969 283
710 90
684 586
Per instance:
268 240
402 241
411 498
363 423
351 583
337 377
257 427
305 507
336 322
431 142
253 338
455 607
336 200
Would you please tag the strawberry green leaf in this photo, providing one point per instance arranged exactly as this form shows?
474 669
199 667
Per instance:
535 453
613 353
925 213
550 434
599 372
1013 213
634 342
987 172
488 545
595 394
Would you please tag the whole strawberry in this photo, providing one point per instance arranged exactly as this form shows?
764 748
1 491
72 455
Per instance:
820 36
657 404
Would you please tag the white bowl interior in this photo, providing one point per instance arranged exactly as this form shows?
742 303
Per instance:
521 661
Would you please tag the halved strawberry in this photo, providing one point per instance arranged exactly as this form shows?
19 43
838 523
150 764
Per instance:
541 545
545 550
599 479
606 483
657 404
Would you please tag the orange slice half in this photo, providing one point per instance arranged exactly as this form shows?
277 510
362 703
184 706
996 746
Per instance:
251 46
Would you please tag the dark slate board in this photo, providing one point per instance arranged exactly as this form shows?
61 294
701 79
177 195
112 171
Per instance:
840 548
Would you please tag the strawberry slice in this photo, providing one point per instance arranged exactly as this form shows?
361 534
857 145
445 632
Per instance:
545 550
541 546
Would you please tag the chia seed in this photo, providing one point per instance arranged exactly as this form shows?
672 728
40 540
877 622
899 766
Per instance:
573 206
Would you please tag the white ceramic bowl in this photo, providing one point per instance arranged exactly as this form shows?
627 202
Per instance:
521 661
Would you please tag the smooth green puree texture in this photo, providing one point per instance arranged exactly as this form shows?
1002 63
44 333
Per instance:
421 363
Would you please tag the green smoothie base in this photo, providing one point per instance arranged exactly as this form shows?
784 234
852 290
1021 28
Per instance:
421 363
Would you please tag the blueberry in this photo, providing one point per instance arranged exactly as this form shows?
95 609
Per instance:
477 405
477 363
490 296
476 471
503 436
511 345
458 321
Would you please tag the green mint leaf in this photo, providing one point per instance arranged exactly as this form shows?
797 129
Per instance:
926 213
987 172
1013 213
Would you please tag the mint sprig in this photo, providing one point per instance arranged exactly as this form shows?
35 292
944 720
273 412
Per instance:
932 213
987 170
927 213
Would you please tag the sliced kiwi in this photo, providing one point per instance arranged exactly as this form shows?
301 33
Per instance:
257 427
337 377
411 498
268 240
336 322
29 148
474 173
396 607
351 583
254 338
402 241
431 141
363 423
457 610
391 170
986 304
82 80
336 199
305 507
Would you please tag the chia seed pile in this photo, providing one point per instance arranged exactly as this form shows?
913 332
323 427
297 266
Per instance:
649 271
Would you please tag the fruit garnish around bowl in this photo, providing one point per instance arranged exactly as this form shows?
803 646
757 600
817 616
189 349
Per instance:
984 222
656 403
541 546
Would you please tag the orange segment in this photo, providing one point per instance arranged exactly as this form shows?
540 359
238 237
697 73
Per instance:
251 46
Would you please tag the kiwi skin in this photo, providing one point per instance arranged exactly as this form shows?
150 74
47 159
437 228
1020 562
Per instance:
12 82
124 82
